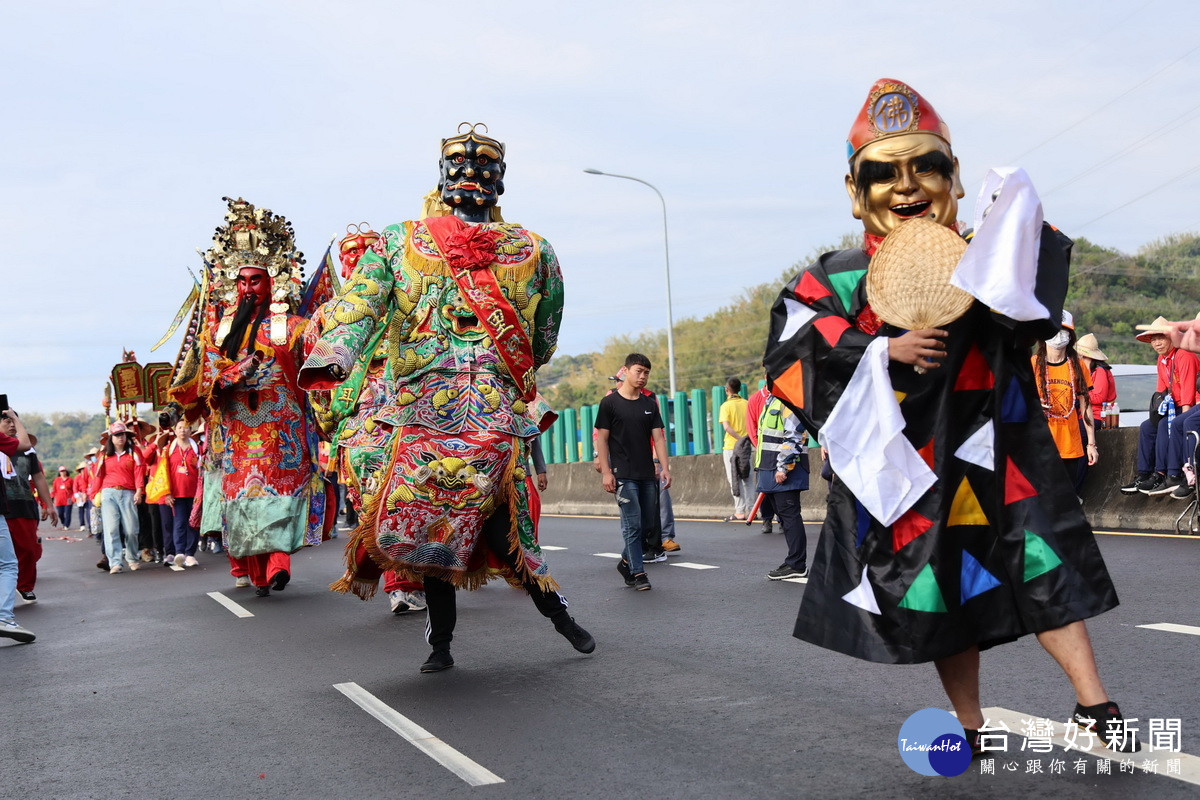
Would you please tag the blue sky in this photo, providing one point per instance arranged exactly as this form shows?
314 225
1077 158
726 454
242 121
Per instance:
128 121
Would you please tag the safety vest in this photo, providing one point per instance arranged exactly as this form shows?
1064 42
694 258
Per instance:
772 433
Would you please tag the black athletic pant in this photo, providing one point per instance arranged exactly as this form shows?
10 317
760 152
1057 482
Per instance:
439 594
149 527
787 508
767 510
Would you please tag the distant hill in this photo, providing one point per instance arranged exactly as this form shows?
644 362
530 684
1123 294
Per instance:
64 438
1109 293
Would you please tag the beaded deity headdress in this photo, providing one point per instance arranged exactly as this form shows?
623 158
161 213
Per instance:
256 237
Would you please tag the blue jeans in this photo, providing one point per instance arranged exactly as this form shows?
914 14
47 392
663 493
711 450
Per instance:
8 573
637 501
119 514
666 513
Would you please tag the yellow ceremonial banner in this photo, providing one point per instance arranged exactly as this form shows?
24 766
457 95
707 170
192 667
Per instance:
193 295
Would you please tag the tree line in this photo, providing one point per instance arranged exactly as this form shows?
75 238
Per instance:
1109 293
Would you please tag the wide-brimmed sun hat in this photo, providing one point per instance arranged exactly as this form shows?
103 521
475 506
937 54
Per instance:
1159 326
1088 347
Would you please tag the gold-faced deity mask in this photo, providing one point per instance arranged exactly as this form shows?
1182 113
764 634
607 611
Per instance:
903 177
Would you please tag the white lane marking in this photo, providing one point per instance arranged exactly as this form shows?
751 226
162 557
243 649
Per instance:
1173 628
175 568
418 737
690 565
1189 765
793 580
551 547
607 555
232 606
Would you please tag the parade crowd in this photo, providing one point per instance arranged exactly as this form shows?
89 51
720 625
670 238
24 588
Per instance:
950 528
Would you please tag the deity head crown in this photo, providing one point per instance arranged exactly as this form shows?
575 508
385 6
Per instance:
253 237
259 238
469 132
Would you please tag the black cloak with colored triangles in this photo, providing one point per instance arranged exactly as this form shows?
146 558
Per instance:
987 554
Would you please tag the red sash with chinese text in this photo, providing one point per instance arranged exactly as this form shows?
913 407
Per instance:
469 251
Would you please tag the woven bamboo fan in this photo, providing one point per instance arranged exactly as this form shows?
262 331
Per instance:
908 280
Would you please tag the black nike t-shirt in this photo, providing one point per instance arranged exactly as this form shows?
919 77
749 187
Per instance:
629 424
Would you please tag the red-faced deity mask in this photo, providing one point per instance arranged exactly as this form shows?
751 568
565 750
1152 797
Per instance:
254 281
353 247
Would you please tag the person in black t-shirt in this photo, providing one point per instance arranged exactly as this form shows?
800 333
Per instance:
625 425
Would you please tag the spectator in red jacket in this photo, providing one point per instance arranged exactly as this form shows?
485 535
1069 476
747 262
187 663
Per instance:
1104 388
120 481
1160 450
63 493
182 453
754 408
83 479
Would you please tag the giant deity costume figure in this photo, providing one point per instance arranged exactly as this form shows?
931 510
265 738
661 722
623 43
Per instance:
470 307
951 525
360 445
261 488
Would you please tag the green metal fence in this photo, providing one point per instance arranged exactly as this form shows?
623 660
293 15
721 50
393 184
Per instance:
692 427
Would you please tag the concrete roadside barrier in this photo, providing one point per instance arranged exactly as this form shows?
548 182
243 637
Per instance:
701 491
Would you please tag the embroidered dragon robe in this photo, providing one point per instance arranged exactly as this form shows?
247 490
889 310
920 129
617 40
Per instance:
454 413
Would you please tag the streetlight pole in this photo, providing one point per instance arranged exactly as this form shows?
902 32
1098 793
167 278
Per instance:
667 257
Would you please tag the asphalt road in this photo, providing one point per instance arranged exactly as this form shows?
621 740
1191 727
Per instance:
140 685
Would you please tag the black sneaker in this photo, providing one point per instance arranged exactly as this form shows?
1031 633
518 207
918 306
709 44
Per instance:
280 579
1166 486
438 660
768 527
786 571
623 568
1183 492
102 564
29 597
262 591
580 639
641 583
1106 722
1135 485
656 557
1152 484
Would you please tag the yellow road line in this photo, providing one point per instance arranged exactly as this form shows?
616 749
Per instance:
1164 535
